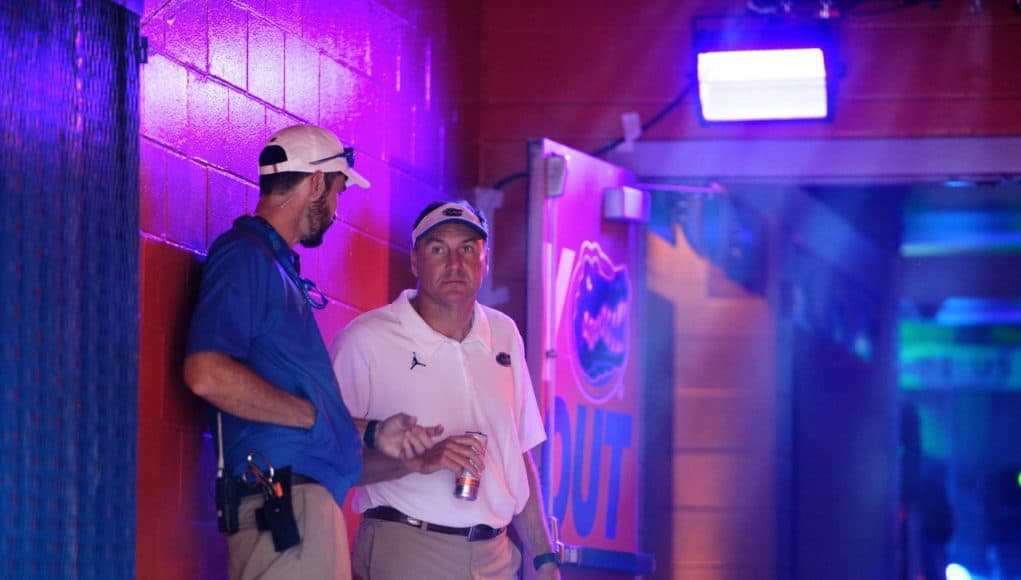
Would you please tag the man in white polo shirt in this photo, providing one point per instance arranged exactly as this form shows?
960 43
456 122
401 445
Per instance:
438 354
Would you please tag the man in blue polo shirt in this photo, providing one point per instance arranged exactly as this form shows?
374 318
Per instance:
255 352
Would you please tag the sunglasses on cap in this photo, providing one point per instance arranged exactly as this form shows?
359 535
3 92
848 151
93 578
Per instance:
348 154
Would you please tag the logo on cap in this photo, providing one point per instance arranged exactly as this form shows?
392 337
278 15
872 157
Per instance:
453 212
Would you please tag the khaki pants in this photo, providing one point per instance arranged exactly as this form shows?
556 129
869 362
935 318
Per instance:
395 551
321 555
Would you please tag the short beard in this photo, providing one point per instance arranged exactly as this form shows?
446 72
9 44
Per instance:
320 222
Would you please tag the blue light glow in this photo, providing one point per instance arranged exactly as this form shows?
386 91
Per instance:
943 232
762 84
963 311
959 183
957 572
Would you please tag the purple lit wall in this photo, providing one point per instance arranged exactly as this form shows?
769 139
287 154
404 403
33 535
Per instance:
221 77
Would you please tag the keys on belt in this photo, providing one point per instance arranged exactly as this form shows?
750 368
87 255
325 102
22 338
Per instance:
257 476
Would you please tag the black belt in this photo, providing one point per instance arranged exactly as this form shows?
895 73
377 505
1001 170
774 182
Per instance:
245 490
474 533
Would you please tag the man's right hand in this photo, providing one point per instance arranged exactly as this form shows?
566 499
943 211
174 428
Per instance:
402 447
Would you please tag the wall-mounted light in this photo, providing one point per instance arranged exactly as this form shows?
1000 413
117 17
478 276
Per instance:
625 203
763 84
754 69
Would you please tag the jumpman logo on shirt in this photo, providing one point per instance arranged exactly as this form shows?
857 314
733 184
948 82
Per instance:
414 361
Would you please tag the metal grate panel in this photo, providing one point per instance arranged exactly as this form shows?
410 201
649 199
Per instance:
68 289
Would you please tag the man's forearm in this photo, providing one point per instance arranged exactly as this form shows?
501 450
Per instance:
531 523
377 467
234 388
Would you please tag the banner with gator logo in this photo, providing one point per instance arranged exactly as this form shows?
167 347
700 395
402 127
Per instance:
581 346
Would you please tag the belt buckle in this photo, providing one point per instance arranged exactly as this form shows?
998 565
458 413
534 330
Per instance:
482 532
417 523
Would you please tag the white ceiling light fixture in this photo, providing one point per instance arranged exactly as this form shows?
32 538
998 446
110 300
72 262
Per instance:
781 84
754 69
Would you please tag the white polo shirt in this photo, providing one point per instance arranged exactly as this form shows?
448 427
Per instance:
389 360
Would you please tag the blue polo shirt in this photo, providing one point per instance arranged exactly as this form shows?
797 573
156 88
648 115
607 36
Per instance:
250 309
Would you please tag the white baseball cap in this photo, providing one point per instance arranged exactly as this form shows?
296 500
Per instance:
307 149
450 212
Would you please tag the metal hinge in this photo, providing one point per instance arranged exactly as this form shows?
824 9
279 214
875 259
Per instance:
142 50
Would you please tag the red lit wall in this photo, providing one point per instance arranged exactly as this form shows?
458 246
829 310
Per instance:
221 77
724 507
569 69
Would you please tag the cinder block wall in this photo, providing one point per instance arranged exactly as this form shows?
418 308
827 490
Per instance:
439 97
221 77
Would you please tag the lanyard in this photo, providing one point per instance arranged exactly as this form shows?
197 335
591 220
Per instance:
289 260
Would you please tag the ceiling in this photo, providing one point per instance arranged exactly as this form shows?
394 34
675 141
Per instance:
950 207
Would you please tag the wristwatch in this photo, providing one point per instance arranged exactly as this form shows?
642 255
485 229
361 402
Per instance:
546 559
370 434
